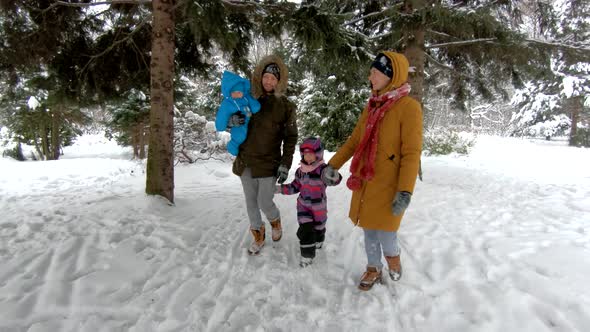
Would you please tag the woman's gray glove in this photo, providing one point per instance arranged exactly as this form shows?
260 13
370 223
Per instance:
331 176
401 202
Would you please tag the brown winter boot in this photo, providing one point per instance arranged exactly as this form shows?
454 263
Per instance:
395 267
277 230
258 242
369 278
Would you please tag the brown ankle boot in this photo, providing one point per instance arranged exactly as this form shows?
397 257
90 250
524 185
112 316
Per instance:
277 230
258 243
395 267
369 278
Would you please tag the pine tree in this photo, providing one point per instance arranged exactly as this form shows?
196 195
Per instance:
329 109
129 121
554 103
41 50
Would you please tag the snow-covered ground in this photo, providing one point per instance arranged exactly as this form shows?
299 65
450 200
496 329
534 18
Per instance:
496 241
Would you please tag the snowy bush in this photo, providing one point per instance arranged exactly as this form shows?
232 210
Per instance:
195 139
446 142
556 125
9 147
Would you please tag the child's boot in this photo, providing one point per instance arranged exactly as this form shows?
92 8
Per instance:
277 230
258 242
320 236
305 261
369 278
395 267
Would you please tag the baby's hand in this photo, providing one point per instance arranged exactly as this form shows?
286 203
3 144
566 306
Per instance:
237 94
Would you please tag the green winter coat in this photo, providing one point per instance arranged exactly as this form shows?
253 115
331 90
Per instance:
397 161
272 132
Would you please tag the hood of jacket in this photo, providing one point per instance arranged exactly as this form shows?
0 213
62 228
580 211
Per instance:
257 89
401 66
231 82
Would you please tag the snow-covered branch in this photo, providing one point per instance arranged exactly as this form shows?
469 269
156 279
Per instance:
383 11
98 3
585 48
439 33
438 63
461 43
117 42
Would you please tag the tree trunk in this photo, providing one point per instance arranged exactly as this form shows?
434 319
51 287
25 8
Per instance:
160 163
19 152
576 105
44 141
55 144
415 53
142 135
134 141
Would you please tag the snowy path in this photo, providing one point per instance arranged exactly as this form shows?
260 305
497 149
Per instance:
83 249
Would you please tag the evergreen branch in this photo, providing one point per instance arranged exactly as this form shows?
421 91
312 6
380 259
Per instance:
361 18
140 54
438 63
111 2
475 114
583 48
383 11
114 44
447 67
440 33
255 5
257 11
90 4
98 14
461 43
236 3
376 24
386 35
382 35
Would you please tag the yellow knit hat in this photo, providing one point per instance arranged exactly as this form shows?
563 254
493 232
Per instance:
400 65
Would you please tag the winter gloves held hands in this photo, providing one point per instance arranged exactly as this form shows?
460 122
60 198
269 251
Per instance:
236 119
331 176
401 202
282 174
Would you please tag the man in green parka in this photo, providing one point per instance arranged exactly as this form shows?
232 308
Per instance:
266 155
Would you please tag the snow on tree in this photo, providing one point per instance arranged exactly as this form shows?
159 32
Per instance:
554 104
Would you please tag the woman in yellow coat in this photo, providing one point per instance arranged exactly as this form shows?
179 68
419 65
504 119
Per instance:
385 148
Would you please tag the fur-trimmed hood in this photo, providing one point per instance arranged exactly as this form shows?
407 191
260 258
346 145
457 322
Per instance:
257 89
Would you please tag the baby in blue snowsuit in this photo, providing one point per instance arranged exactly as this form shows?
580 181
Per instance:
246 105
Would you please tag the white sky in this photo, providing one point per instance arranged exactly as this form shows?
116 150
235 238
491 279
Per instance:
496 241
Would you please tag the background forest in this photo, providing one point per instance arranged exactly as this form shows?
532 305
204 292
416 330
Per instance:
509 68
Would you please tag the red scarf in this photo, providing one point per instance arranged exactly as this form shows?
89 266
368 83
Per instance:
366 150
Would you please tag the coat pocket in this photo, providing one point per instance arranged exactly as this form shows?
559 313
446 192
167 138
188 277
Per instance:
238 166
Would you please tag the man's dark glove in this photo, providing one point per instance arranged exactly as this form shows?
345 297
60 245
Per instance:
236 119
330 176
282 174
401 202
